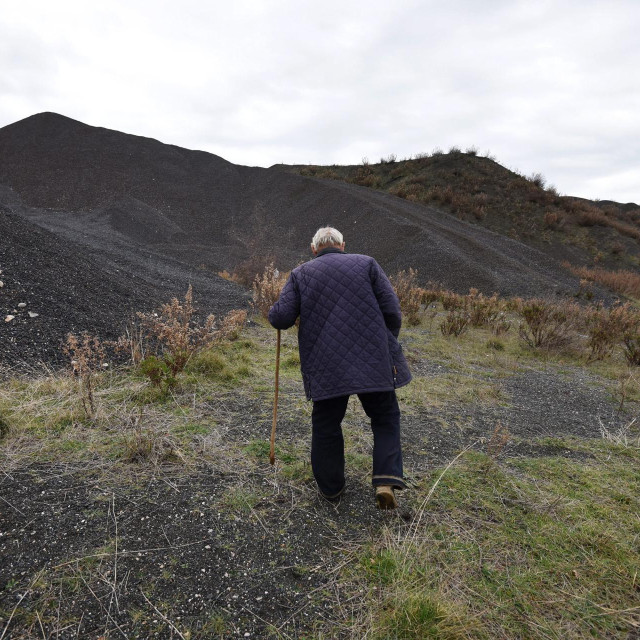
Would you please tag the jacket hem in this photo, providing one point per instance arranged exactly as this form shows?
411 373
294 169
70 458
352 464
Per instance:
352 392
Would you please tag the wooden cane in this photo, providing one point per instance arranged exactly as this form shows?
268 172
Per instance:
272 449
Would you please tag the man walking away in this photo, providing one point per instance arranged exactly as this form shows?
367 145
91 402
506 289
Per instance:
349 324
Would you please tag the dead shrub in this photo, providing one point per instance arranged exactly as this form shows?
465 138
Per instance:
513 304
570 206
87 355
547 325
500 324
448 195
591 217
452 301
608 327
455 323
409 293
231 325
366 179
625 229
175 333
429 296
457 319
163 343
266 289
482 310
132 342
601 341
328 174
478 213
624 321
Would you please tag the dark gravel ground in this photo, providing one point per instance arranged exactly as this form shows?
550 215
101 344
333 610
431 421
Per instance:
136 221
539 404
268 567
73 289
237 540
204 210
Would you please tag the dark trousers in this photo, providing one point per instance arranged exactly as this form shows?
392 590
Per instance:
327 443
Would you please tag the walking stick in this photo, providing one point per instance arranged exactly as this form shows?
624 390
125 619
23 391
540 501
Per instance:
272 449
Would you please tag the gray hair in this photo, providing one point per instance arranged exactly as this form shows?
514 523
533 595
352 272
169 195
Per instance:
326 235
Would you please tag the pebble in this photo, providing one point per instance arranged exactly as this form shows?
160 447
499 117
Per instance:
22 305
1 284
33 314
9 318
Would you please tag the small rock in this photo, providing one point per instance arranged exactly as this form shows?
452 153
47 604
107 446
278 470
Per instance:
9 318
33 314
1 284
22 305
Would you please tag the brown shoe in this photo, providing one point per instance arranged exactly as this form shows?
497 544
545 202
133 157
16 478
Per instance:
385 498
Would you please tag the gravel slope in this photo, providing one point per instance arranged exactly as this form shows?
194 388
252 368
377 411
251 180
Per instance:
201 209
73 290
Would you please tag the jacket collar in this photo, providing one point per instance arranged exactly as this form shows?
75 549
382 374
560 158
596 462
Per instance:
328 250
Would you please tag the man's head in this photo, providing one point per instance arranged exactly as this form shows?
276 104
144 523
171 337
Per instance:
327 237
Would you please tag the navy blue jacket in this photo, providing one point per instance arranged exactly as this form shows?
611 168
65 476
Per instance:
349 324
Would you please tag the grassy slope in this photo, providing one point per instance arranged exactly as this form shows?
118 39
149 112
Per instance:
496 545
481 191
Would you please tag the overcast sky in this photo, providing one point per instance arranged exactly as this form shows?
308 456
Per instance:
546 86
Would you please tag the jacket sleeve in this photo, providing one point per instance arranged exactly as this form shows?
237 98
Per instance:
387 299
286 310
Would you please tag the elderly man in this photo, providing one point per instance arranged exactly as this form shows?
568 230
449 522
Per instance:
349 324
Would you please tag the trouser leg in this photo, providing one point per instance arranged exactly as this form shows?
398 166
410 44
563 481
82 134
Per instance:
327 444
382 408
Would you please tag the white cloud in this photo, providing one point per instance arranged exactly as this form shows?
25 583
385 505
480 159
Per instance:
546 86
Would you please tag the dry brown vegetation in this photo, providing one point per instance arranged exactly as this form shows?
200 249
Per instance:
410 295
542 324
622 281
547 325
87 356
163 343
478 189
266 289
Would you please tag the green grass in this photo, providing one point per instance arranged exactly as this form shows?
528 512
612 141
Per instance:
538 547
530 547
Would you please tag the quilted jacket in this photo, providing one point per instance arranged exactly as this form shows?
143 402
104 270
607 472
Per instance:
349 324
